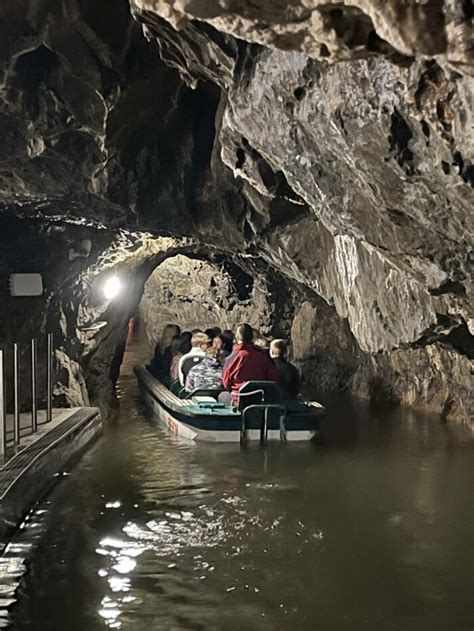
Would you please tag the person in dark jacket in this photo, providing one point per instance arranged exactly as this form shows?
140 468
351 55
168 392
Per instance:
247 364
160 364
289 378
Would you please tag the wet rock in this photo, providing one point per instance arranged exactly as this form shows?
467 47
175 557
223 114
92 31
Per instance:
322 346
343 189
441 382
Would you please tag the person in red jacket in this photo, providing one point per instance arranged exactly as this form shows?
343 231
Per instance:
246 363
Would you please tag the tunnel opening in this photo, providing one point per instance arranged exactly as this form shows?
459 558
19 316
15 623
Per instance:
198 293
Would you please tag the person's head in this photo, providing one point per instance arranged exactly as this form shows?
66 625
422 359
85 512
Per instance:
228 338
278 349
185 341
244 334
218 343
217 330
175 344
194 331
210 333
200 340
169 332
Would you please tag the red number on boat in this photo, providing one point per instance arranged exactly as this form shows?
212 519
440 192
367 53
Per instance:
172 425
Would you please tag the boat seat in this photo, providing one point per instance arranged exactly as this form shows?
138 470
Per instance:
189 363
256 392
205 392
176 387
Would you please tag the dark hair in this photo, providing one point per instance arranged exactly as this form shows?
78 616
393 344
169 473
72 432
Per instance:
228 338
245 333
186 342
210 333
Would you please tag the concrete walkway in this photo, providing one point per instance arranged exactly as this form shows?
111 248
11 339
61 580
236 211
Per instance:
31 467
26 437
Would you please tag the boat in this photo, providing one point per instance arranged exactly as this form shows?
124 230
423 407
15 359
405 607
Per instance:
261 414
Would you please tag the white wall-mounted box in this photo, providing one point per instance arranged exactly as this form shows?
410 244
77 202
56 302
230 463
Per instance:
26 284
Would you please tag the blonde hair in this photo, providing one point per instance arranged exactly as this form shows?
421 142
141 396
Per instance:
211 351
200 339
278 348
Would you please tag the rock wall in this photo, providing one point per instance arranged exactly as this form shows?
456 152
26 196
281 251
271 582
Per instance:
198 294
358 174
325 149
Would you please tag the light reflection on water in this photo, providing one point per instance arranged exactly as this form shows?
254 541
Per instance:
369 532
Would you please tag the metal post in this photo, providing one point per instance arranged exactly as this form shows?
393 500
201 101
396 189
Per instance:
16 395
283 436
49 380
3 412
243 427
34 365
264 428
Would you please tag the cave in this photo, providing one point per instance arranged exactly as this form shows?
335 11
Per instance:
329 172
304 167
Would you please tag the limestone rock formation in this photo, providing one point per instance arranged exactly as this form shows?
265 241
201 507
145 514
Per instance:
337 30
200 294
325 149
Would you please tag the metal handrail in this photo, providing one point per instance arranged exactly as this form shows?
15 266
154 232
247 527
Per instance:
49 379
17 431
34 402
265 407
3 403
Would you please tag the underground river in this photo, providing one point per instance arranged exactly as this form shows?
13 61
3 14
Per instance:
370 530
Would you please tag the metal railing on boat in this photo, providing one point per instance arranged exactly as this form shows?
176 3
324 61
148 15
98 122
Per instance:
264 408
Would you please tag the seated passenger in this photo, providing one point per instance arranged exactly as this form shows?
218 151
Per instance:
207 374
210 334
289 378
199 344
186 342
228 340
169 354
176 354
159 361
246 364
218 345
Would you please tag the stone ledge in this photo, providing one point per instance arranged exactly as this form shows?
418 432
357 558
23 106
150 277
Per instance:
28 475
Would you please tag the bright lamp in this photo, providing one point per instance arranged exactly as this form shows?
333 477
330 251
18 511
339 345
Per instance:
112 287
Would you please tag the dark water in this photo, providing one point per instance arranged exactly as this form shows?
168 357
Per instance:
373 530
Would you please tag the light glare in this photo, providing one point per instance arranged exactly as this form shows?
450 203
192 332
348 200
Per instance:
112 287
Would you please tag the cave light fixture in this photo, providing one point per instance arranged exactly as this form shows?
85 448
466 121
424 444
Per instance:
112 287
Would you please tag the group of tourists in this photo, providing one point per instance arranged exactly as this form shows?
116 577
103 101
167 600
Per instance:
215 359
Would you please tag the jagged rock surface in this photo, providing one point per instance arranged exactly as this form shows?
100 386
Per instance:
339 30
200 294
347 186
